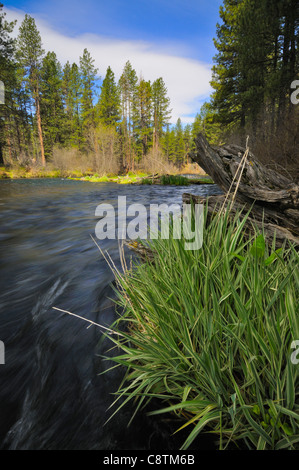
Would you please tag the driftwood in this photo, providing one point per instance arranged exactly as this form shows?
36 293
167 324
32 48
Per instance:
274 199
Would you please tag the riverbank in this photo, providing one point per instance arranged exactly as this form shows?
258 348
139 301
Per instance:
138 177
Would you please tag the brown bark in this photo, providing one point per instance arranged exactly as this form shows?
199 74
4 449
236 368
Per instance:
40 132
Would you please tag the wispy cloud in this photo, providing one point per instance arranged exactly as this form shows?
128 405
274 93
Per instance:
187 80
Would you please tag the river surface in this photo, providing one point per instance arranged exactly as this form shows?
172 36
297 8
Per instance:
52 392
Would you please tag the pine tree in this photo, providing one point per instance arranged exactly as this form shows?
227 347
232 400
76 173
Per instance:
71 95
207 123
227 79
257 60
142 117
72 98
109 102
88 74
46 105
289 64
172 146
161 111
127 85
179 143
16 118
29 55
51 101
7 71
187 141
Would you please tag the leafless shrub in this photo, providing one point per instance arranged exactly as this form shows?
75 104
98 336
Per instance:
156 162
104 144
192 169
69 159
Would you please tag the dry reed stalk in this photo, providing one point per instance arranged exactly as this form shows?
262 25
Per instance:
240 169
108 330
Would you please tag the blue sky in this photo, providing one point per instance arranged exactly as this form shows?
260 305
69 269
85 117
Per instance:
168 38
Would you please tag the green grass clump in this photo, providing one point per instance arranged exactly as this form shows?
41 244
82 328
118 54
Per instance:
146 181
209 334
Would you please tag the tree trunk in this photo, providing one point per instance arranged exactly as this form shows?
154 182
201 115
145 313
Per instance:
40 132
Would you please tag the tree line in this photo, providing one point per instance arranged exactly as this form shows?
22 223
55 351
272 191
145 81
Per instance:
49 106
256 63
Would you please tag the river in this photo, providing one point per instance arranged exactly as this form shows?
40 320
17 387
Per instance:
52 394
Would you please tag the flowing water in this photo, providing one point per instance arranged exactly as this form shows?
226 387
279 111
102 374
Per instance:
52 392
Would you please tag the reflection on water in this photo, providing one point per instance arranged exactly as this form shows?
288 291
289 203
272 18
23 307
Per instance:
51 395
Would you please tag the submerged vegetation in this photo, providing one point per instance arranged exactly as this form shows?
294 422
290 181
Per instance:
209 334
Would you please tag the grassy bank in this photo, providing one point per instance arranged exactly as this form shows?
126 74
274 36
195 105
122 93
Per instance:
176 180
209 334
22 172
138 177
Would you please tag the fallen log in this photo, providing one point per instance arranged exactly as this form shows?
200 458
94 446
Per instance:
273 198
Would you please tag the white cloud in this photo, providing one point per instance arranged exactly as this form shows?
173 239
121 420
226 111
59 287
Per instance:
187 80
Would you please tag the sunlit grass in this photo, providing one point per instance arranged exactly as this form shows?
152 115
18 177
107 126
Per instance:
39 172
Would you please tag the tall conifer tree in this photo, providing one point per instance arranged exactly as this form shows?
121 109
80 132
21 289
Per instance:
88 83
51 102
7 75
109 101
161 110
29 55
